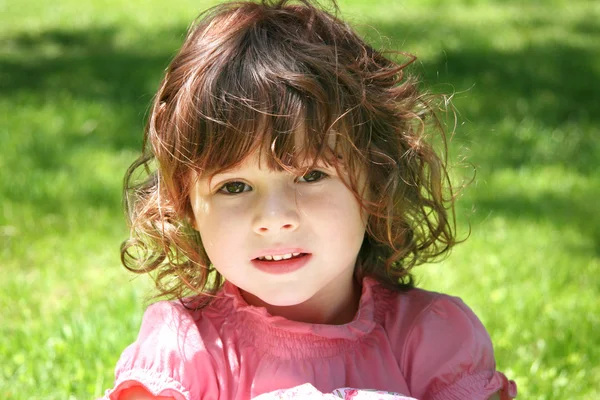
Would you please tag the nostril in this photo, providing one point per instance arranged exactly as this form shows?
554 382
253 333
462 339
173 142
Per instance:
268 227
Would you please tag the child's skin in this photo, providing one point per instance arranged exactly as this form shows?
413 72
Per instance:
277 212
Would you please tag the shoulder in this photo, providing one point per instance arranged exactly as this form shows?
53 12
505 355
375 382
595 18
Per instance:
402 312
439 316
174 346
175 320
166 318
441 346
443 327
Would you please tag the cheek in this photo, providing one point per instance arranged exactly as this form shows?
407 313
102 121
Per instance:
336 209
220 226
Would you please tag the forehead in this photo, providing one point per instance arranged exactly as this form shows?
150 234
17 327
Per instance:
302 153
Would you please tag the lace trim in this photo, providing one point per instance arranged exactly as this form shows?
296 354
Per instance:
477 387
157 383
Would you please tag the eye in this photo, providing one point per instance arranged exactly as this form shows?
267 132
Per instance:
313 176
234 187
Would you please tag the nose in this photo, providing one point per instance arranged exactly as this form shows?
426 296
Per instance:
276 211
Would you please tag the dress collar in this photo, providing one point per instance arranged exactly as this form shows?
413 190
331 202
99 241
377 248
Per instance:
260 319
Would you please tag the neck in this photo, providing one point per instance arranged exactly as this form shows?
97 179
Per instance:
323 308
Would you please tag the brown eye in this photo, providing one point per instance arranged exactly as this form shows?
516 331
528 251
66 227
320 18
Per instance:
312 176
234 188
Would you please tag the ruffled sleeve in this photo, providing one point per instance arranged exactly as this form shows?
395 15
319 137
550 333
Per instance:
448 355
168 358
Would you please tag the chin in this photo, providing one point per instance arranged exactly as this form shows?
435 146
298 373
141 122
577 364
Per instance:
285 299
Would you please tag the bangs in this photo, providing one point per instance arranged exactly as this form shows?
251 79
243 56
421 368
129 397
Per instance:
262 86
281 130
257 103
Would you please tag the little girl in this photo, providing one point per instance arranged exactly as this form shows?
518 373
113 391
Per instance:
289 191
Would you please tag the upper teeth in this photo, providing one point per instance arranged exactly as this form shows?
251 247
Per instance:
279 257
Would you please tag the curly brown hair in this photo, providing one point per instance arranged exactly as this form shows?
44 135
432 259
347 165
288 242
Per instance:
252 75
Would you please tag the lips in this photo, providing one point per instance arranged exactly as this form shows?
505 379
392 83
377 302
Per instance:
283 266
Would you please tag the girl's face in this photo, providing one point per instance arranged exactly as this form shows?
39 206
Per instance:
251 216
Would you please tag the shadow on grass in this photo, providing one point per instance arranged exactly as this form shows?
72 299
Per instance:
535 104
90 66
101 88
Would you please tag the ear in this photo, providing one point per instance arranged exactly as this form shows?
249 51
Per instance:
193 223
190 218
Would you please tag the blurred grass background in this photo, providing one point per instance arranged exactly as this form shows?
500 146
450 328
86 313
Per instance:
76 79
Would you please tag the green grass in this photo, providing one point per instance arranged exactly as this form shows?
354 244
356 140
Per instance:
76 79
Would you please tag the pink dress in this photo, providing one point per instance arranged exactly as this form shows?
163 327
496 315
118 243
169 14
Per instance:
416 344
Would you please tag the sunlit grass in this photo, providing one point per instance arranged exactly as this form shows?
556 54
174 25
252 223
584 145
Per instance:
75 82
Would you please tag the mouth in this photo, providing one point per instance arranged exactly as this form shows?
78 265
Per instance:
278 264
